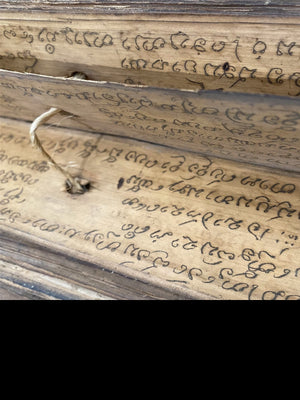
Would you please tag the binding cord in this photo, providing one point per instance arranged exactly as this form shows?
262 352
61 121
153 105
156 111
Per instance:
74 185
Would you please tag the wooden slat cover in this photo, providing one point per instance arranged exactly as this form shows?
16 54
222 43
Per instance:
231 7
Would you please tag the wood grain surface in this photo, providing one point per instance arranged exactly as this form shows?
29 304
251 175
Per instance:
213 7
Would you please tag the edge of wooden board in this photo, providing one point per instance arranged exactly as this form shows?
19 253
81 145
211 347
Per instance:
275 8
